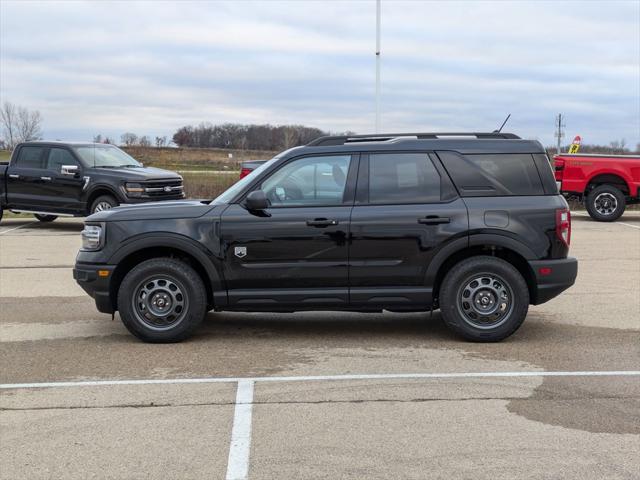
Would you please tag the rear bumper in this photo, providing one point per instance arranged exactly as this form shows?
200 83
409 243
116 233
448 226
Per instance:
552 278
98 287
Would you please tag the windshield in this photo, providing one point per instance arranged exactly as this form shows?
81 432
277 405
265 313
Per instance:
233 190
105 156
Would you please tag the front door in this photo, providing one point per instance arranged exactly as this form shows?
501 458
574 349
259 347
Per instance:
295 252
63 190
406 209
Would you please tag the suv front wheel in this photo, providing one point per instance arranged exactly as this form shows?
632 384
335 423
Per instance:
484 299
162 300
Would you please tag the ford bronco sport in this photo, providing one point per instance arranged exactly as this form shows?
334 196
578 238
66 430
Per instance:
472 224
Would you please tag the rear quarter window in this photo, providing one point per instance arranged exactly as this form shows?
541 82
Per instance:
493 174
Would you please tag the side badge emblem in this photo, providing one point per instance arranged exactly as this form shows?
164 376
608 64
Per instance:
240 252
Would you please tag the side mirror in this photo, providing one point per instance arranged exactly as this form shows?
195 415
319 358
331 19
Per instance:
257 201
70 170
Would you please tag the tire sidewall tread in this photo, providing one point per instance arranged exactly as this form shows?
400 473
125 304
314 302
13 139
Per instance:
195 290
448 298
622 203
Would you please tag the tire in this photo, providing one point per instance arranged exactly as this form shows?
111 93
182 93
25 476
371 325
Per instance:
45 218
606 203
180 295
103 202
494 279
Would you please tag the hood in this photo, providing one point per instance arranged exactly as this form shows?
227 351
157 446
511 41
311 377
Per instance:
140 174
154 211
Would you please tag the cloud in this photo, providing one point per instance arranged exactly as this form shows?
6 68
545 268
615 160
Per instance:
151 67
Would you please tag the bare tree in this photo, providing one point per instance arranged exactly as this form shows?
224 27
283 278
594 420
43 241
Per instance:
144 141
19 124
161 141
9 118
97 138
129 139
29 125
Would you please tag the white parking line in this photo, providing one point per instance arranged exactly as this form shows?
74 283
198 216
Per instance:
16 228
317 378
238 462
585 215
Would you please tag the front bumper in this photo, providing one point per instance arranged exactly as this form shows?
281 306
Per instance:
96 285
552 277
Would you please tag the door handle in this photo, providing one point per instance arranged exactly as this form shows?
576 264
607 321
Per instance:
13 175
321 222
46 179
434 220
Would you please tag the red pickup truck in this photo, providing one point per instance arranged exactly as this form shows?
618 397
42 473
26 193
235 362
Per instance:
606 183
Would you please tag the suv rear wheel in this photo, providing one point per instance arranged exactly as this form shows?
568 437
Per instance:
162 300
484 299
605 203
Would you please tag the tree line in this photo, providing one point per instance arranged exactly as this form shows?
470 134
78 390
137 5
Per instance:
245 137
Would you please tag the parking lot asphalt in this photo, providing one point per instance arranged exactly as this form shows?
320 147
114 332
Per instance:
477 417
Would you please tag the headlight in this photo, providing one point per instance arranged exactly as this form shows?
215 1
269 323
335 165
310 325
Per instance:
92 237
133 189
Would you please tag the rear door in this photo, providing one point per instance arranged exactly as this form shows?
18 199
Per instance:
24 178
406 209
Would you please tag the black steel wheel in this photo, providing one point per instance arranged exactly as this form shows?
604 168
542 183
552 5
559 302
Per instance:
605 203
162 300
484 299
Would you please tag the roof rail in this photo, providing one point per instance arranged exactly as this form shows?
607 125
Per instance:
384 137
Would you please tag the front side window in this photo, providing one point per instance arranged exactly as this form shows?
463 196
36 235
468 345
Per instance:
309 181
59 157
106 156
403 178
30 157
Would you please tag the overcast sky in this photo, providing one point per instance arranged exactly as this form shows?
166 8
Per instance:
150 67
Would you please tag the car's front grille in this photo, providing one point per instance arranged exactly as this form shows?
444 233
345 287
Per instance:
163 189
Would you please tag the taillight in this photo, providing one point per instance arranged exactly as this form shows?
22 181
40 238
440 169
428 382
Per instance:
563 226
245 171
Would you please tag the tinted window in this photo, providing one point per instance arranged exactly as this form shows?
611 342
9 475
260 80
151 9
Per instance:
403 178
517 173
30 157
493 175
58 157
309 181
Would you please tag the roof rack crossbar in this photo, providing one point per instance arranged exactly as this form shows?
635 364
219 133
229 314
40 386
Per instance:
383 137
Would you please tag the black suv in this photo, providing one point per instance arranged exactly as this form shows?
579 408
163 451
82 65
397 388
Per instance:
472 224
51 179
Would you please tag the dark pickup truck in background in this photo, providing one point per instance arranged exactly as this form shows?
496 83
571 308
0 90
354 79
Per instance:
51 179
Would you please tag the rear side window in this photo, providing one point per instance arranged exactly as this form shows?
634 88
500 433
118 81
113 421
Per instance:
493 174
403 178
31 157
59 157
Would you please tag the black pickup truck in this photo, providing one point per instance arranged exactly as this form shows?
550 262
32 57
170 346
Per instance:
51 179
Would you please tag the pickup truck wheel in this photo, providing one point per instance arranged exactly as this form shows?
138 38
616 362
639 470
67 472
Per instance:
605 203
484 299
162 300
45 218
103 202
